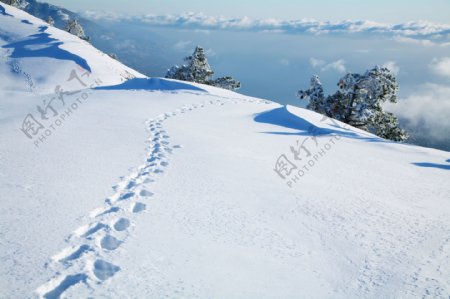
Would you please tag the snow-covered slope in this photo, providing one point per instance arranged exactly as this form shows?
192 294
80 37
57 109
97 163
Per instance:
44 10
155 188
51 50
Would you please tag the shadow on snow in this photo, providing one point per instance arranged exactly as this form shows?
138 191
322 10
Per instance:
283 118
3 12
42 45
433 165
152 84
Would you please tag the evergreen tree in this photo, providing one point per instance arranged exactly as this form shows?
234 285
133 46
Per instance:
387 126
200 70
197 69
21 4
358 102
113 56
227 83
75 28
50 21
315 95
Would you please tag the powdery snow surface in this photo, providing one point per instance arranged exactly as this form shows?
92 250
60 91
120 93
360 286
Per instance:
157 188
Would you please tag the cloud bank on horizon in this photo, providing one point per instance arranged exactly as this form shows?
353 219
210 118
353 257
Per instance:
427 32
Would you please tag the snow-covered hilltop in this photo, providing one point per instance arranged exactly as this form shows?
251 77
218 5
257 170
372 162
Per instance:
151 188
52 52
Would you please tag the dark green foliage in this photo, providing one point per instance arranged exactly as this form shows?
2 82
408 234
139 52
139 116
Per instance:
358 102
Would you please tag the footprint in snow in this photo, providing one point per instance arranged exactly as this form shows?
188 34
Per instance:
130 185
83 249
64 284
124 184
71 253
145 193
153 159
121 224
105 212
138 207
87 230
127 195
148 181
109 242
104 270
143 173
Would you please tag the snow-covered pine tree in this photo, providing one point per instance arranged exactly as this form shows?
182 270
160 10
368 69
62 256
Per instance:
113 56
227 82
21 4
50 21
386 125
197 69
358 102
75 28
200 70
315 95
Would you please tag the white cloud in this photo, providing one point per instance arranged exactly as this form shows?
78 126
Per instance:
441 66
285 62
392 66
426 33
415 41
210 52
338 66
314 62
428 109
182 45
105 37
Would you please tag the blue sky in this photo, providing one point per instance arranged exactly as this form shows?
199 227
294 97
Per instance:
380 10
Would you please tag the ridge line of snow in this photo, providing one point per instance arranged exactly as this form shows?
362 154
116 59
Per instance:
33 44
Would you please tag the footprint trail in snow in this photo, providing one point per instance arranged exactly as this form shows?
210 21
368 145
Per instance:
86 260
